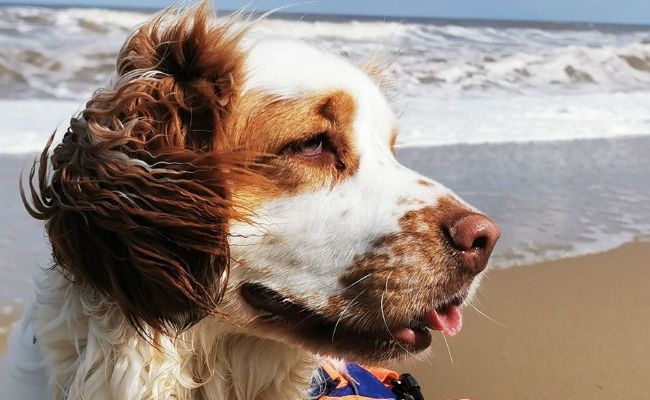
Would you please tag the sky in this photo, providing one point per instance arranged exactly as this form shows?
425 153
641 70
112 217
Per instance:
609 11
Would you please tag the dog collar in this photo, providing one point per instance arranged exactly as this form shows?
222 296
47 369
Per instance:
364 383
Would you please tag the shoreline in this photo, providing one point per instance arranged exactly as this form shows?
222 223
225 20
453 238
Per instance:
569 328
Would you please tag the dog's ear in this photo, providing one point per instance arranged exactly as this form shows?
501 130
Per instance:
137 201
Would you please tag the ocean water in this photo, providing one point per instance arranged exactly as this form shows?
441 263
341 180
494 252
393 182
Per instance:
544 126
455 82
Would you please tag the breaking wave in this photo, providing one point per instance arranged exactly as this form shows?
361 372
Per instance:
67 53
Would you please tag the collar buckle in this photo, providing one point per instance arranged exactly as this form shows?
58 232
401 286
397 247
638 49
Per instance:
406 388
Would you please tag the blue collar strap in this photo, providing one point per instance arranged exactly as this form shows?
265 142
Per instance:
362 384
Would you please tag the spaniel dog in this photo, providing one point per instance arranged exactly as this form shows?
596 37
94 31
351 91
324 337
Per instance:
227 216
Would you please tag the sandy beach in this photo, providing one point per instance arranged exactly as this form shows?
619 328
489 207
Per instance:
568 329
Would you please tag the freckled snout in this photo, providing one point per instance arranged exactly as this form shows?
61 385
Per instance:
474 236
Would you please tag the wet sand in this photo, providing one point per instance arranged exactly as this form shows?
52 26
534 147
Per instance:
569 329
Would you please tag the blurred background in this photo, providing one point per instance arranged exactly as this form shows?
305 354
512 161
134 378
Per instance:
536 112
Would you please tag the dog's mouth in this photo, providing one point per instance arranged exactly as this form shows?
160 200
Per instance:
314 328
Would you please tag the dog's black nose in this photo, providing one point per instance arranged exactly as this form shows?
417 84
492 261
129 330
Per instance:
474 235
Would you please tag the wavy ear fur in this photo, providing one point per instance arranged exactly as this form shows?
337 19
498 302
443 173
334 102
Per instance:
137 201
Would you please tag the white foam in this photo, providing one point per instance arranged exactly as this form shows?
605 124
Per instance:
436 120
27 124
351 31
107 19
460 84
538 252
426 120
63 53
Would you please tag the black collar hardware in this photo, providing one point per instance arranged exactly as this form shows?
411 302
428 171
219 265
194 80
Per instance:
407 388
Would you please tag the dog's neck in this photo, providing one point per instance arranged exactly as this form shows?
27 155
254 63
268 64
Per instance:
247 367
91 352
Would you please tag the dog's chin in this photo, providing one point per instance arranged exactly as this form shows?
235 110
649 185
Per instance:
282 319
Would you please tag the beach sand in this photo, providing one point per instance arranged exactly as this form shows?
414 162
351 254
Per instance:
569 329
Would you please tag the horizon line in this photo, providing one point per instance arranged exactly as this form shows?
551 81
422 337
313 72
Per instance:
367 17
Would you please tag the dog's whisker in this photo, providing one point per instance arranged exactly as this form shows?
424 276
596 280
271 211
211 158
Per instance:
343 312
358 280
383 315
476 300
448 349
487 316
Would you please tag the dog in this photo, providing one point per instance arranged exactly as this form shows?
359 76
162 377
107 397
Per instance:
228 216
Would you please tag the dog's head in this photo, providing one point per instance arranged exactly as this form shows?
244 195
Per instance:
255 180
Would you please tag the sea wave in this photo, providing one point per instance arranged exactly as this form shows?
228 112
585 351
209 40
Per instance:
456 84
67 53
423 121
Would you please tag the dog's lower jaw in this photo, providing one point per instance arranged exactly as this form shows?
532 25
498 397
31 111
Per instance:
91 352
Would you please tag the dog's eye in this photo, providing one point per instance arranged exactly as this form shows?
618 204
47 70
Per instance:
317 150
311 147
307 148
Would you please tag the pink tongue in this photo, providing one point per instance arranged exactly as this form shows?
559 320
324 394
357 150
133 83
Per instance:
448 322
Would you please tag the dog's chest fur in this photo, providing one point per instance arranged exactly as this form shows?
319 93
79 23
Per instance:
92 352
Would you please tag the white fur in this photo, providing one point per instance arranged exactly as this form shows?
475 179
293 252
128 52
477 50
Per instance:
317 240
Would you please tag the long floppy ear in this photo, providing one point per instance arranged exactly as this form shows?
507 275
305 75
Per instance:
137 201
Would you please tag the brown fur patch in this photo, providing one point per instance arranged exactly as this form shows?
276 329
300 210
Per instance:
403 273
424 183
266 125
406 201
139 200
